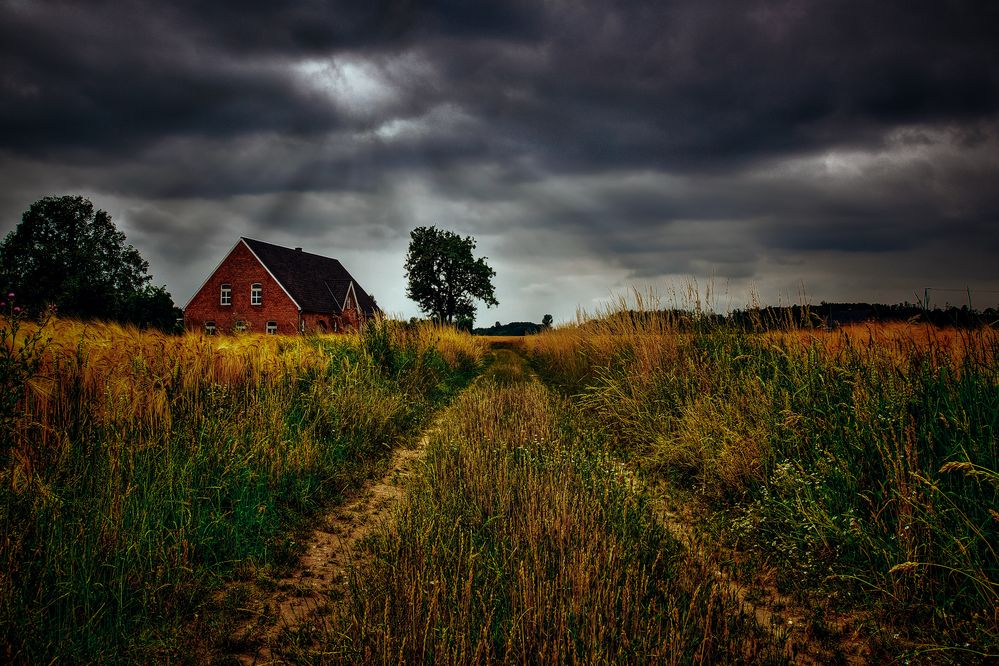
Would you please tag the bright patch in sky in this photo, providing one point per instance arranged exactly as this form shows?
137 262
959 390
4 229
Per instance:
355 87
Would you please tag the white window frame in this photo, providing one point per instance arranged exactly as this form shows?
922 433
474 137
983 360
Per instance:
271 327
240 326
256 294
209 328
225 294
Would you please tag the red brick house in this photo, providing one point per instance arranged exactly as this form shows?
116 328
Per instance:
267 288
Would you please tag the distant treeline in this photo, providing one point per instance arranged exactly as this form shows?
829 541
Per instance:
824 315
513 328
830 315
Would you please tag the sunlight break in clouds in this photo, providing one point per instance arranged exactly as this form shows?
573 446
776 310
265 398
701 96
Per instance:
365 89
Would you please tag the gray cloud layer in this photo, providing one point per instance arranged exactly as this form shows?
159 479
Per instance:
852 147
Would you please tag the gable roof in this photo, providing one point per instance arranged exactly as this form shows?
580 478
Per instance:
314 282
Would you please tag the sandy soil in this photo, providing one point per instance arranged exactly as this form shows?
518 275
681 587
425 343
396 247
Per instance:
322 568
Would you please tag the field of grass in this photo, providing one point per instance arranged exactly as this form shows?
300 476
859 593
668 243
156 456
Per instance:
138 470
647 487
523 541
856 468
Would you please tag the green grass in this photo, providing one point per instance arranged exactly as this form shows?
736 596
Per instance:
858 468
855 470
139 471
523 541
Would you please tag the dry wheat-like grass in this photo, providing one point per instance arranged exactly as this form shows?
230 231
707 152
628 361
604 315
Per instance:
521 542
834 454
136 466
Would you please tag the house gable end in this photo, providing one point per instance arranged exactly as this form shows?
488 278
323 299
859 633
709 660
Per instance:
228 255
241 294
350 300
197 292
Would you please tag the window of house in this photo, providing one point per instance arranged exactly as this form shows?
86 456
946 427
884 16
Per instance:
225 295
256 293
209 328
271 327
240 326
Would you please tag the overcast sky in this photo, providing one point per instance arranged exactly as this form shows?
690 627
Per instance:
847 150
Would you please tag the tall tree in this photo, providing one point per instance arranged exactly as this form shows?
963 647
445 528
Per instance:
64 253
444 278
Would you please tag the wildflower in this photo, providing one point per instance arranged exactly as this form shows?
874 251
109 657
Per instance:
10 295
3 304
16 309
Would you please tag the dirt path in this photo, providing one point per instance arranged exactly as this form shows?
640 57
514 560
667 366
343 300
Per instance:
839 639
290 602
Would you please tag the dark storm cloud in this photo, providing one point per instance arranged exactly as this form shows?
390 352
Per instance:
99 79
663 138
76 83
317 27
587 86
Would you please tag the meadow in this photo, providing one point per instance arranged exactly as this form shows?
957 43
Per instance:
854 470
524 541
138 471
674 489
642 486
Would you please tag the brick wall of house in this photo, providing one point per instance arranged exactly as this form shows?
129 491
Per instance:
321 323
350 317
330 323
240 270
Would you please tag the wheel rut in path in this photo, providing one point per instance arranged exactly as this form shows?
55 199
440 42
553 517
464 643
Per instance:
758 597
846 641
330 551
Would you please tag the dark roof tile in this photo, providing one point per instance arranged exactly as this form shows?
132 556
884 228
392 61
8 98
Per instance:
317 283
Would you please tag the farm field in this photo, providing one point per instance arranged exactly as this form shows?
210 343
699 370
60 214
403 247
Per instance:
628 489
140 471
846 480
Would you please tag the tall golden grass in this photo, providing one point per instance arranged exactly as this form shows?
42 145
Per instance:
836 457
139 467
522 541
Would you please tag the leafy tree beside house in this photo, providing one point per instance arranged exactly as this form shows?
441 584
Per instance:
66 254
444 278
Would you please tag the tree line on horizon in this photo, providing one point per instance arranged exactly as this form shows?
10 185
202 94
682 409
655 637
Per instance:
825 315
515 328
67 257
